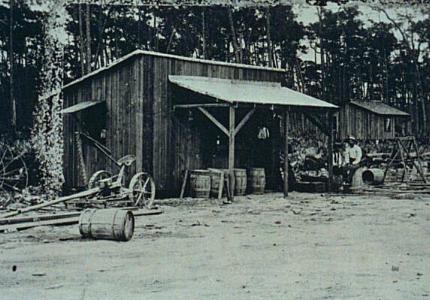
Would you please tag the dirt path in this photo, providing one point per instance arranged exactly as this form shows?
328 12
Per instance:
306 247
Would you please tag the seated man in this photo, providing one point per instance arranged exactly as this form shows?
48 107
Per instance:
314 160
354 154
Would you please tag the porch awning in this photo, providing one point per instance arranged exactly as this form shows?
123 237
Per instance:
81 106
250 92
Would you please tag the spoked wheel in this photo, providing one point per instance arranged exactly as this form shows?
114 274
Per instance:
142 190
96 177
13 170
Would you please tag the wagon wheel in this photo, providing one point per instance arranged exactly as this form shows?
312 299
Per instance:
13 170
96 177
142 190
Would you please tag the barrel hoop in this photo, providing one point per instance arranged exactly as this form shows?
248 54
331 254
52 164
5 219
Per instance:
113 224
90 221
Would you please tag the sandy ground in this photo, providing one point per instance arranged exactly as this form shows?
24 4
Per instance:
306 247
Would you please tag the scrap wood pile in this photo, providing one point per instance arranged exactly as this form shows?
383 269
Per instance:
19 217
104 191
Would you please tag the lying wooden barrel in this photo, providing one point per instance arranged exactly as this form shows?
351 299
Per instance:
373 176
258 180
109 224
200 183
240 181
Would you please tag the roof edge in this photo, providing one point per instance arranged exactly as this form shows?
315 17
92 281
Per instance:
160 54
400 112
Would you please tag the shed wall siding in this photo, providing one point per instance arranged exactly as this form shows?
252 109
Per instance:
363 124
140 120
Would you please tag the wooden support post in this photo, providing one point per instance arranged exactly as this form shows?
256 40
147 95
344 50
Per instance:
184 184
221 185
81 162
231 135
286 122
330 151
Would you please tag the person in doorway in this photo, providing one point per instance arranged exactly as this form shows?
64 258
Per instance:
339 163
338 159
354 155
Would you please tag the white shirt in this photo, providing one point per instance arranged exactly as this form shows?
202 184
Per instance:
355 154
338 159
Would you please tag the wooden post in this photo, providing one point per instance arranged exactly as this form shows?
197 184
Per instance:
184 184
330 151
286 121
81 161
231 134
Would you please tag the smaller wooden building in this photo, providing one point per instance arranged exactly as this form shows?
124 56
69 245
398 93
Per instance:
370 120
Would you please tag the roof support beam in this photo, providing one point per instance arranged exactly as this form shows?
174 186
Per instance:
200 105
317 122
214 120
243 121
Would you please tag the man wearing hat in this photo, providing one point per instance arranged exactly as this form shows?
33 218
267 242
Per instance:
354 154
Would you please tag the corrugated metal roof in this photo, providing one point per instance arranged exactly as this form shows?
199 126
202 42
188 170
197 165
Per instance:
380 108
81 106
254 92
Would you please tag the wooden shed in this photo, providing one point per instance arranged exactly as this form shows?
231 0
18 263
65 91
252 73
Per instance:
154 106
370 121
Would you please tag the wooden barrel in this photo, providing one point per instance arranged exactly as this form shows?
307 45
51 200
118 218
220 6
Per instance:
109 224
215 175
240 181
258 180
200 183
373 176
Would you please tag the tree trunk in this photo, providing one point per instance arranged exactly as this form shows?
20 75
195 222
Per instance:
204 34
81 39
88 34
322 62
269 40
236 47
11 77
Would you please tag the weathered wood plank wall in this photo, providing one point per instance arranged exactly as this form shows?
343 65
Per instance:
175 146
363 124
140 120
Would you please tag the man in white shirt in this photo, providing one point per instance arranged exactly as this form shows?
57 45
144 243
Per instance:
354 154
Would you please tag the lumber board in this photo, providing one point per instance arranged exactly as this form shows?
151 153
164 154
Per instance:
19 227
50 203
184 183
37 218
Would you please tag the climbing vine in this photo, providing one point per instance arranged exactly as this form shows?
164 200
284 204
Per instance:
47 132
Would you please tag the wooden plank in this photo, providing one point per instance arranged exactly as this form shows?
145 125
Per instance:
138 114
179 106
243 121
286 123
221 185
232 125
184 184
215 121
330 151
50 203
19 227
17 220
